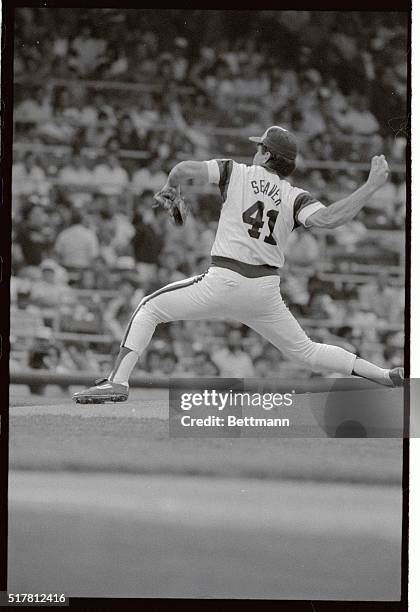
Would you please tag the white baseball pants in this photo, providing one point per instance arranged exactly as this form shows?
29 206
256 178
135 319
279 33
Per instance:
224 294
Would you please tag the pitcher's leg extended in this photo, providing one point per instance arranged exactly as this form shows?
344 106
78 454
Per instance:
188 299
282 330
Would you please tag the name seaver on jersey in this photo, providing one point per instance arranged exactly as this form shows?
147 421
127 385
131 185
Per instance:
259 212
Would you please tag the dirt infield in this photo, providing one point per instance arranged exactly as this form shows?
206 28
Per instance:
53 433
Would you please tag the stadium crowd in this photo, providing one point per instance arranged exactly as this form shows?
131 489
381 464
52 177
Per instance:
105 104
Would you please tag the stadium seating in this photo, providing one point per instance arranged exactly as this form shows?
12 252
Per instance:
87 107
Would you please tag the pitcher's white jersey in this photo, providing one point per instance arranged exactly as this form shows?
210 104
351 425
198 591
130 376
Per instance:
259 211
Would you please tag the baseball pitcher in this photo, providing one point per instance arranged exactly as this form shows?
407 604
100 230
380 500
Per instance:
260 208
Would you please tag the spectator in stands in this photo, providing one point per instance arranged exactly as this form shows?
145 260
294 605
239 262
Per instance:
17 255
203 66
371 350
220 82
28 177
114 232
180 59
124 230
165 68
109 175
232 360
347 238
198 108
146 113
362 319
336 100
148 239
142 63
295 290
344 338
357 118
105 109
202 364
75 173
89 108
302 248
308 104
150 177
113 63
198 141
34 109
77 246
66 106
125 135
78 357
172 270
120 309
98 134
97 276
169 364
384 299
319 146
51 289
151 363
284 87
262 367
105 231
87 50
61 213
393 355
34 234
44 355
322 306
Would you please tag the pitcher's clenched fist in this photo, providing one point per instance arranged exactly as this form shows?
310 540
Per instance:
379 171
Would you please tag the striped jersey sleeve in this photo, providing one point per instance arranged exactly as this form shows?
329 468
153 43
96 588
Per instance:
220 171
304 205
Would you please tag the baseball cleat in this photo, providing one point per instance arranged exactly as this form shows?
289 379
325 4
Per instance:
103 391
397 376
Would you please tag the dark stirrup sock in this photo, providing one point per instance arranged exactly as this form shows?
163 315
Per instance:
124 365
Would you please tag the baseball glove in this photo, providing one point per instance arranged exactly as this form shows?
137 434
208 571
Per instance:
172 201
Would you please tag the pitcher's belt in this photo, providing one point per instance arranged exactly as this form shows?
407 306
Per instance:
246 269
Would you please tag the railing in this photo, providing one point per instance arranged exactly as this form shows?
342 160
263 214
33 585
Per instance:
314 385
62 150
144 87
373 269
358 279
381 326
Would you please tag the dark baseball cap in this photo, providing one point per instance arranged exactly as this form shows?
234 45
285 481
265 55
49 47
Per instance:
279 141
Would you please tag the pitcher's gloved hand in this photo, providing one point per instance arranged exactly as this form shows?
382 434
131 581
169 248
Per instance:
171 200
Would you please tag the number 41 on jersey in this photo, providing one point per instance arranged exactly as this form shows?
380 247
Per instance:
254 216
